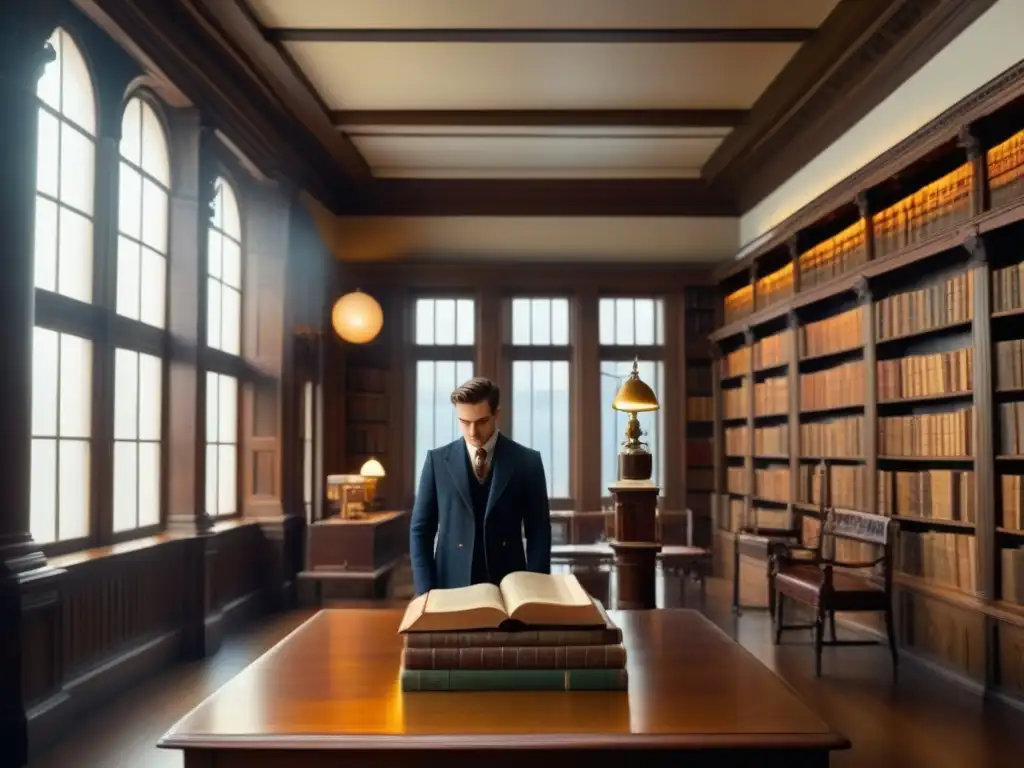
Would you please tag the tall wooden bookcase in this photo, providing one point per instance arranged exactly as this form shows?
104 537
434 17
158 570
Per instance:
886 333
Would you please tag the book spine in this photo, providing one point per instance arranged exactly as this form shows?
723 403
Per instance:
514 680
517 657
522 639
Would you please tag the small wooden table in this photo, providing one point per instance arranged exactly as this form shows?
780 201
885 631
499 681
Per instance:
329 695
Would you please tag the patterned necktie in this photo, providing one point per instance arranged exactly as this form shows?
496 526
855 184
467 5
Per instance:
479 465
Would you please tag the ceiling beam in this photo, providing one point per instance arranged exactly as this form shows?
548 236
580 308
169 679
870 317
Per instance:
539 35
863 52
572 118
537 197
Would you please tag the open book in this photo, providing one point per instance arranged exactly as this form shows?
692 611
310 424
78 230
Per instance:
522 598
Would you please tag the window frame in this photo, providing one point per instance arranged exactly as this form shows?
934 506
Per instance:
512 353
622 353
435 353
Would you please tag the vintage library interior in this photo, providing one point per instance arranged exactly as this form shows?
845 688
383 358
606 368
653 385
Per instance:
505 382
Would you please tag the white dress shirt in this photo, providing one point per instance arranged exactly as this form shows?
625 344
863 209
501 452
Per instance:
488 450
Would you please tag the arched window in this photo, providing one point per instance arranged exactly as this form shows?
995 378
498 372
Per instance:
62 362
142 221
66 173
224 312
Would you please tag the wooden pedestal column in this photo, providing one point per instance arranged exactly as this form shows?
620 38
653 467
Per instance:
636 542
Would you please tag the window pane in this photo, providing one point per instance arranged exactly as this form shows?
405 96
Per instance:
150 397
214 254
126 497
48 89
46 244
465 322
154 220
625 329
212 401
226 480
75 386
606 321
425 321
520 321
77 179
126 394
231 320
149 484
211 480
131 133
47 154
560 322
129 202
74 256
78 103
435 417
155 160
45 378
73 489
128 276
613 423
43 510
153 284
643 318
540 417
213 314
230 224
541 322
227 410
231 263
444 321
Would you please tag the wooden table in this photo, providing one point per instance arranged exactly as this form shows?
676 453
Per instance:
328 695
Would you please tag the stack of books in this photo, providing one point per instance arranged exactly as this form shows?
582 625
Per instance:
533 632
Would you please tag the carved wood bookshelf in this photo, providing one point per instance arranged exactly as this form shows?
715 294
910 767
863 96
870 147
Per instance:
885 334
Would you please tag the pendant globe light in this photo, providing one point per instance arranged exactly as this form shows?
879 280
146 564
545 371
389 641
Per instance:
357 317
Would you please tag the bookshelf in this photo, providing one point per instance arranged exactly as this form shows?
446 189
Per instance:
887 335
700 308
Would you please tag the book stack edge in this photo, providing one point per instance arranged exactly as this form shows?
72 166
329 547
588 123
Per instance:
531 659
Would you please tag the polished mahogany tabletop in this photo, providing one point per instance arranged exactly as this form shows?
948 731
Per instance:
333 683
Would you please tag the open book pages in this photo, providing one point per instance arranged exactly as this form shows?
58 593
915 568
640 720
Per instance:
522 598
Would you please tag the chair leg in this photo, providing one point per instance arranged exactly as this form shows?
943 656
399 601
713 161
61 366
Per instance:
819 637
832 624
779 602
735 578
890 630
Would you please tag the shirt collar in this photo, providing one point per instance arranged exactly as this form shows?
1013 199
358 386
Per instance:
488 446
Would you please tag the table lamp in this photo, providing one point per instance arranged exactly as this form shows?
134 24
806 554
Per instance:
634 396
371 472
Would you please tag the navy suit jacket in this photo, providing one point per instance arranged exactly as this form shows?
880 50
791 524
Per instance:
518 503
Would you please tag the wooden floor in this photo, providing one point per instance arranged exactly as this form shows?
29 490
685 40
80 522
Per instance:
926 722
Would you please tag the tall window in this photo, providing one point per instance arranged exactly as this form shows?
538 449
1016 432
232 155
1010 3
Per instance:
62 362
221 445
630 327
445 337
137 431
65 174
61 431
142 222
540 384
224 308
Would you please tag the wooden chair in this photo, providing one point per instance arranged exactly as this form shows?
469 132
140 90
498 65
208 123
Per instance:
814 577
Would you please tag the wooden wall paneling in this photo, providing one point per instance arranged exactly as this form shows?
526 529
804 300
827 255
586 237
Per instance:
718 439
585 384
398 484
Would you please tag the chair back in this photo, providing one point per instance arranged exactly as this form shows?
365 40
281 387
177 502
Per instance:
876 532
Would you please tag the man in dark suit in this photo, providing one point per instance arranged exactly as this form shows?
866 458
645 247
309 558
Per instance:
477 495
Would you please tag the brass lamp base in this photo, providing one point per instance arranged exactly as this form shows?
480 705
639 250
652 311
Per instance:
636 466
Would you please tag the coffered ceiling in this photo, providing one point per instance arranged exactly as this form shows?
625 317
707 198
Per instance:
534 107
539 89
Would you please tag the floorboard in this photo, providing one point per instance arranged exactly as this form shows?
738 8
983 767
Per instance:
925 722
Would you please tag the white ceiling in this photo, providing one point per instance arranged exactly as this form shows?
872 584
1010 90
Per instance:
401 75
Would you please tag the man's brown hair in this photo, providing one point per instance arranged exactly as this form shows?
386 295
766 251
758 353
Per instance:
478 390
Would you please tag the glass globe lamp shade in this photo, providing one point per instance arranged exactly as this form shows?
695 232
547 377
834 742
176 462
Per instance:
372 468
357 317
